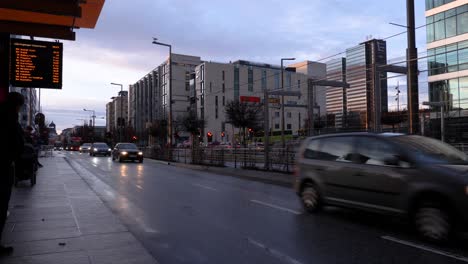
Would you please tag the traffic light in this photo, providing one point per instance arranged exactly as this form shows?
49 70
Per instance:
134 138
209 135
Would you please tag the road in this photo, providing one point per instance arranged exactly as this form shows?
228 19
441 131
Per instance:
185 216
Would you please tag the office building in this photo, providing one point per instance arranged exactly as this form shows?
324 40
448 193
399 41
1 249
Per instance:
216 84
117 114
447 50
149 97
366 98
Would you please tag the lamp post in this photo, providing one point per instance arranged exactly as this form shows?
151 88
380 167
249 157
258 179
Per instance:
283 140
121 112
156 42
94 121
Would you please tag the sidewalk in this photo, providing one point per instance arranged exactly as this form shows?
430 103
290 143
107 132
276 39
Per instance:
61 220
276 178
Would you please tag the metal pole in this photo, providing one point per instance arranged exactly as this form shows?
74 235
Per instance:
121 113
412 56
266 128
283 139
312 118
170 95
4 65
442 122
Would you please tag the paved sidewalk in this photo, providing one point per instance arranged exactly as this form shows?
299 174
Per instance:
61 220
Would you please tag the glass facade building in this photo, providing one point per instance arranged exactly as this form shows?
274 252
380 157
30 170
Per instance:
447 51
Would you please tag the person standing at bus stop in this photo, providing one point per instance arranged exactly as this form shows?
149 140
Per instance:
11 136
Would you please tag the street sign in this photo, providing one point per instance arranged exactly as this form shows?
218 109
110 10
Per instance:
274 100
36 64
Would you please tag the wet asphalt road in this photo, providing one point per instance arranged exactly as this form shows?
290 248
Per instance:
185 216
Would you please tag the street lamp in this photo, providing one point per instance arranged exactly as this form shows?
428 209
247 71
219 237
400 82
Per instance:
283 140
121 111
156 42
94 120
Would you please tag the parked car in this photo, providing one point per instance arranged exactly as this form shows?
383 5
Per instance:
406 175
85 148
100 148
127 151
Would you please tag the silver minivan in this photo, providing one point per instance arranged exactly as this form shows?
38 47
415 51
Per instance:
406 175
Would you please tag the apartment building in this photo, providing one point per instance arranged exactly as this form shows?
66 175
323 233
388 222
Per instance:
117 110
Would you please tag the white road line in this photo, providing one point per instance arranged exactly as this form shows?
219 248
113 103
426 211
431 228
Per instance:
276 207
426 248
139 187
274 253
205 187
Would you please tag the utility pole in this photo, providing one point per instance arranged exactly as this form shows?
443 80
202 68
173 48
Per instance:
266 129
412 58
283 139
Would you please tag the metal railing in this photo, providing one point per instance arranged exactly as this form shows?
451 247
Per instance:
246 158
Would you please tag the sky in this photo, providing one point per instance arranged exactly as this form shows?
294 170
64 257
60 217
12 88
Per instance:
119 49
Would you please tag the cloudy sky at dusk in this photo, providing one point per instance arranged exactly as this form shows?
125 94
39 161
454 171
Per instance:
119 49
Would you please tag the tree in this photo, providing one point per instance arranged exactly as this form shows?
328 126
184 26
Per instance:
192 124
243 115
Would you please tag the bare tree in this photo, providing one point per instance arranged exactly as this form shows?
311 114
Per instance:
243 115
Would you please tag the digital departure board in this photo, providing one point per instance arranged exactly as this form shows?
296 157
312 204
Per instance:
36 64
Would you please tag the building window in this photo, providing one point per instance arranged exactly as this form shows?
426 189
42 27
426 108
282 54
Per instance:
187 81
211 89
289 115
216 107
288 127
202 72
288 81
264 80
276 126
299 84
277 114
447 24
250 79
236 82
224 101
224 88
449 58
277 80
224 75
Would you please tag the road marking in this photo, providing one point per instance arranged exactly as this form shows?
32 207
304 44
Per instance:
274 253
139 187
426 248
276 207
205 187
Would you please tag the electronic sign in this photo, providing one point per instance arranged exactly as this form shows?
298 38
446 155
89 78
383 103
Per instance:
36 64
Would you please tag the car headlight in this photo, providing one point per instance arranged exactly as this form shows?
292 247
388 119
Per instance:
95 149
124 153
81 148
140 153
109 150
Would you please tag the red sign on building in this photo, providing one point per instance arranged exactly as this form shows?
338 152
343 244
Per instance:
250 99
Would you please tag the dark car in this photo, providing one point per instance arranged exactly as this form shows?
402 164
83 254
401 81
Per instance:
406 175
100 149
127 151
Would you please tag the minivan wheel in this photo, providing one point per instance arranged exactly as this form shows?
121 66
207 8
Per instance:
432 222
310 198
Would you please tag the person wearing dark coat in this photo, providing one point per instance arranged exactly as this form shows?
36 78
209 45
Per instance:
11 136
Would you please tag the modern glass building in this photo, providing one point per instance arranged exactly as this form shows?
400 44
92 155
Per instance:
359 72
447 51
447 48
